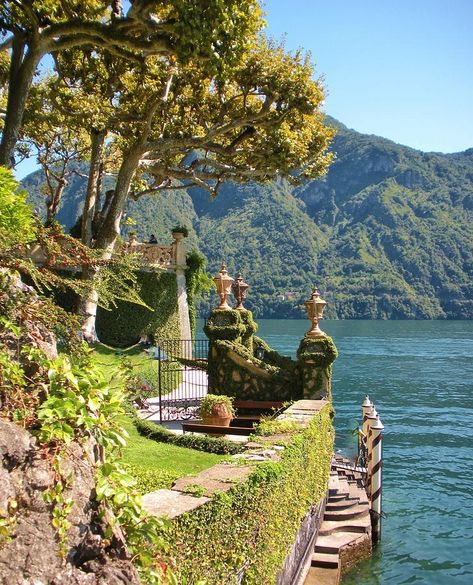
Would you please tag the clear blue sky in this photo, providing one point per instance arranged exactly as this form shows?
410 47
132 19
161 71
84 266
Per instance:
402 69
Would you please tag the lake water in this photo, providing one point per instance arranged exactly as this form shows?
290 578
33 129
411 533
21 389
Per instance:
420 376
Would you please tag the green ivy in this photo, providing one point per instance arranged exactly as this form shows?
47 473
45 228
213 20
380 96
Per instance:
226 325
252 527
319 351
123 325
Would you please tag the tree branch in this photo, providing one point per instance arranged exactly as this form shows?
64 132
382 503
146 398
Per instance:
7 44
107 36
165 186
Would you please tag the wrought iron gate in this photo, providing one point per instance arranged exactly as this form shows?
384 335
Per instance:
182 377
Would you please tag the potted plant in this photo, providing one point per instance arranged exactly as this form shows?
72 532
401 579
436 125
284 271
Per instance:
180 231
217 409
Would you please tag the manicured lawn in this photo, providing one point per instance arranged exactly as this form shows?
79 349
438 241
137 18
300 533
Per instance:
109 358
145 367
157 465
146 452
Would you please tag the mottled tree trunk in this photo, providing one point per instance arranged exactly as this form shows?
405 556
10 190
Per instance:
92 197
106 239
22 70
88 307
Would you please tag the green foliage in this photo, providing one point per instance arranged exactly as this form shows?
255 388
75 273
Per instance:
254 524
388 231
63 401
197 283
217 445
17 225
320 352
150 480
123 326
216 404
81 404
226 325
267 427
180 229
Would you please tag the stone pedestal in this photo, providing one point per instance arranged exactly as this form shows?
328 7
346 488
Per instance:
179 253
315 357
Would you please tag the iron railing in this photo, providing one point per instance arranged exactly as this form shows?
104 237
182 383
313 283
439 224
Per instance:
182 378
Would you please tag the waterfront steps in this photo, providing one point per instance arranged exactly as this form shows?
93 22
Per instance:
344 536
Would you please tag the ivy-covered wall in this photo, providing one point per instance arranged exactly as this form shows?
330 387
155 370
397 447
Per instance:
235 370
315 357
124 325
250 529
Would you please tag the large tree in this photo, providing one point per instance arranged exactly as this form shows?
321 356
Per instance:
31 29
185 92
177 126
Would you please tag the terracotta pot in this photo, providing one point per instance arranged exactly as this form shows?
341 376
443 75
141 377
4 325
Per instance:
219 421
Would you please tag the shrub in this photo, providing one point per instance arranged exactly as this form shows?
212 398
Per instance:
217 445
216 405
252 527
123 325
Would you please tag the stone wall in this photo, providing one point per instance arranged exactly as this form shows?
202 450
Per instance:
31 555
235 370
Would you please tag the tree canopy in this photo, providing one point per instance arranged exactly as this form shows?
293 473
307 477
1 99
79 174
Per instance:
166 95
214 32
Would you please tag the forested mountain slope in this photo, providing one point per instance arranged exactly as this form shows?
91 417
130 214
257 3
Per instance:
386 234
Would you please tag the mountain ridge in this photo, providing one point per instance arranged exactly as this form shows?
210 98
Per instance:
385 234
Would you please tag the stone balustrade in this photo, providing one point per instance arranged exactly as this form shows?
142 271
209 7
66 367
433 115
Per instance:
154 255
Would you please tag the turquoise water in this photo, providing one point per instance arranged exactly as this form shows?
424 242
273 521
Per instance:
420 376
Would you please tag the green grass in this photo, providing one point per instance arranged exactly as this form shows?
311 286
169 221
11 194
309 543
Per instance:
109 358
145 367
156 465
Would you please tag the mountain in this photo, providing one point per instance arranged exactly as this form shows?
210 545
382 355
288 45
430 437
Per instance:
386 234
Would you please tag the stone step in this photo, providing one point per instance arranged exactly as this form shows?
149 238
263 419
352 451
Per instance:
332 543
339 497
359 493
343 485
344 504
321 576
358 525
325 560
356 511
333 484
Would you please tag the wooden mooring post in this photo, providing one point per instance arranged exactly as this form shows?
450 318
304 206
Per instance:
372 444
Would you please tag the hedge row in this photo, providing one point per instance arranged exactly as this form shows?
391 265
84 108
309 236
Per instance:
252 527
217 445
123 326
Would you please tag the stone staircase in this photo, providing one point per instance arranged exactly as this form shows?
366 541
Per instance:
344 537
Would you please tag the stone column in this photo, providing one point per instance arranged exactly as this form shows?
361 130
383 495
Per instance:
179 250
315 357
